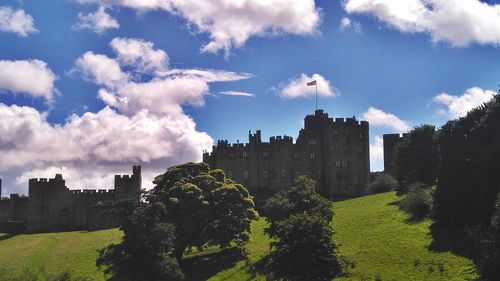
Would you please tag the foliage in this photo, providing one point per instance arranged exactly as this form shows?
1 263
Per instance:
145 252
300 198
205 207
382 183
28 275
468 173
417 158
489 245
304 249
418 201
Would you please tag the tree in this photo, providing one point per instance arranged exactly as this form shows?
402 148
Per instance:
304 249
417 158
300 198
489 259
468 173
205 207
382 183
146 251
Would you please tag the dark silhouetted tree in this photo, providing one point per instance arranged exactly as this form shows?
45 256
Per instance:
300 198
382 183
303 249
417 158
469 173
146 251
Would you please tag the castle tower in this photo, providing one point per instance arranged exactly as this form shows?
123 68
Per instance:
128 186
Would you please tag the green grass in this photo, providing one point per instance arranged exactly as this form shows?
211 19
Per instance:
374 236
380 242
53 253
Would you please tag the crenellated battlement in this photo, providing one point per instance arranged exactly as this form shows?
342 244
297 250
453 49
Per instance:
281 139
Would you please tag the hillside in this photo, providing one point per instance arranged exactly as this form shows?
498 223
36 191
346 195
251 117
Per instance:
374 236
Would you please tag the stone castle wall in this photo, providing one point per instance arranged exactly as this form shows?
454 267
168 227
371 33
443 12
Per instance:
51 206
334 153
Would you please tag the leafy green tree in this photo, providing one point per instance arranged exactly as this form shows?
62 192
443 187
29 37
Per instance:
300 198
417 201
417 158
382 183
146 251
489 261
205 207
304 249
468 179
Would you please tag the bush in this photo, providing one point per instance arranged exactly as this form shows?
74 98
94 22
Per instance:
382 183
304 249
418 201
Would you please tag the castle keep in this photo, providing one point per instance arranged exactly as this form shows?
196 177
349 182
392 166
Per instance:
51 206
333 152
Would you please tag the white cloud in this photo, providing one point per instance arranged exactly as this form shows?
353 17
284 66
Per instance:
458 106
378 117
31 77
346 24
140 54
376 151
16 21
98 22
236 93
143 122
231 23
297 87
458 22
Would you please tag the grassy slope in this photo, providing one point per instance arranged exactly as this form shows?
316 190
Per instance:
376 237
373 235
52 253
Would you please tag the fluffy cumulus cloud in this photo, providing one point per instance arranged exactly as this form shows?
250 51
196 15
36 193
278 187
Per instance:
98 22
139 54
458 22
230 24
31 77
378 117
458 106
143 122
298 87
16 21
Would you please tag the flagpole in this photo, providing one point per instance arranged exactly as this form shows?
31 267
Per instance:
316 95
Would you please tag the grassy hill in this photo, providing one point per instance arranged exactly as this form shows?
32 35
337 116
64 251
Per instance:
374 236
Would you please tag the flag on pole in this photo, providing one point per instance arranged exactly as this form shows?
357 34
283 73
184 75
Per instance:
312 83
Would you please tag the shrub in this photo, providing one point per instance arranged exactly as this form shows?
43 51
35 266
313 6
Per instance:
382 183
304 249
418 201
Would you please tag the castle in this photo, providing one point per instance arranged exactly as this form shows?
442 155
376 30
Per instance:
51 206
333 152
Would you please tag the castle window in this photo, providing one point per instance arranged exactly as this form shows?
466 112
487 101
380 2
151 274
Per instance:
283 173
312 141
319 174
231 155
360 135
359 148
264 155
245 174
229 174
296 155
337 163
312 156
297 174
245 154
332 147
344 163
265 174
335 132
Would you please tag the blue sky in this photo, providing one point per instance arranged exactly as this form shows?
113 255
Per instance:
397 64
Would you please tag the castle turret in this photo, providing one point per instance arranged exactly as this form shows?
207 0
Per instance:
128 186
